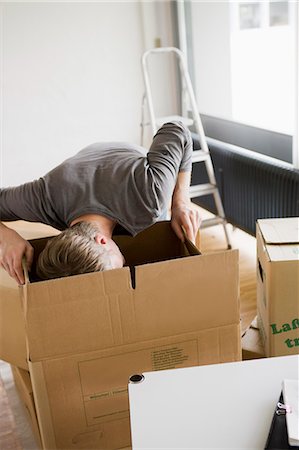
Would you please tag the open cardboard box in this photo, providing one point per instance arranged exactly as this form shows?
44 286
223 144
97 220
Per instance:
86 334
278 284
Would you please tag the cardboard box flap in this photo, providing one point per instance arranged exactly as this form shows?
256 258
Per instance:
74 314
191 299
280 253
280 231
12 327
156 243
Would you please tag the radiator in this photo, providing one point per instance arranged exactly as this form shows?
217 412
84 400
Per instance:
251 186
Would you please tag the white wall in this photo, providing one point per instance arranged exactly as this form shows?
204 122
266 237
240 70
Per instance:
71 75
162 68
212 65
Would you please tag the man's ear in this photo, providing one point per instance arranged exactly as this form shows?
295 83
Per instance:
100 239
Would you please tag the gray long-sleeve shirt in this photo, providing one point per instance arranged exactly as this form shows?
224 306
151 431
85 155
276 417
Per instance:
117 180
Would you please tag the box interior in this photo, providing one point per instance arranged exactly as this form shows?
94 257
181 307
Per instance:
157 243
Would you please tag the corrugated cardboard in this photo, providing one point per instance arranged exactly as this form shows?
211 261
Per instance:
252 345
87 334
12 326
24 386
278 285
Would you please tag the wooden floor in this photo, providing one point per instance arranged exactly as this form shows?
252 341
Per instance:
15 432
212 239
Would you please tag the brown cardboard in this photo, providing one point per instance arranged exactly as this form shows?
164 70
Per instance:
24 387
82 399
87 334
252 345
278 285
12 327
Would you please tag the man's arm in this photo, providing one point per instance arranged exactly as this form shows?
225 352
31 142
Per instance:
12 249
18 203
170 155
183 215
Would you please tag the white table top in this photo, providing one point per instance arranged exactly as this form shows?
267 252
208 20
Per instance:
220 406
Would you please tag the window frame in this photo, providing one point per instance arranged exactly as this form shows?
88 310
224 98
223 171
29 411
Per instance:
281 146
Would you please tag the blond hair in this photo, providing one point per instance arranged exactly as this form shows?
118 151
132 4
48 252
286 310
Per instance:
72 252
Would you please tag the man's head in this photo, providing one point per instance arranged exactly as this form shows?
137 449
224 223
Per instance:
79 249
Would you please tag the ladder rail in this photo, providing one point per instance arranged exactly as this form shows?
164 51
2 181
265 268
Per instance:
185 74
148 90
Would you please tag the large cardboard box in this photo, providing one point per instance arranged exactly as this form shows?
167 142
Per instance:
86 334
278 284
24 387
12 326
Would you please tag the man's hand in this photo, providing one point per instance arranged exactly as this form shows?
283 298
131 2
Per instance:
185 218
12 249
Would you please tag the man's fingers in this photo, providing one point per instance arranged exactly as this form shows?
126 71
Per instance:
189 228
185 222
178 230
10 269
12 249
29 255
195 219
18 270
5 267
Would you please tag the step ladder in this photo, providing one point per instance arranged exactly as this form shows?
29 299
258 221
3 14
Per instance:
202 155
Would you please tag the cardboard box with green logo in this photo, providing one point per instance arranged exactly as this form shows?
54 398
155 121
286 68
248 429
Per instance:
278 284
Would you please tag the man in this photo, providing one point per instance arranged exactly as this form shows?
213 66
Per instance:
87 195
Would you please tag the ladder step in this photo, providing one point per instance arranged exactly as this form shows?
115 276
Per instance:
186 120
199 190
214 221
199 155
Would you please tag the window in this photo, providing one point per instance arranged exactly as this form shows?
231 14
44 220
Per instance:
262 66
262 14
242 61
278 13
249 15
